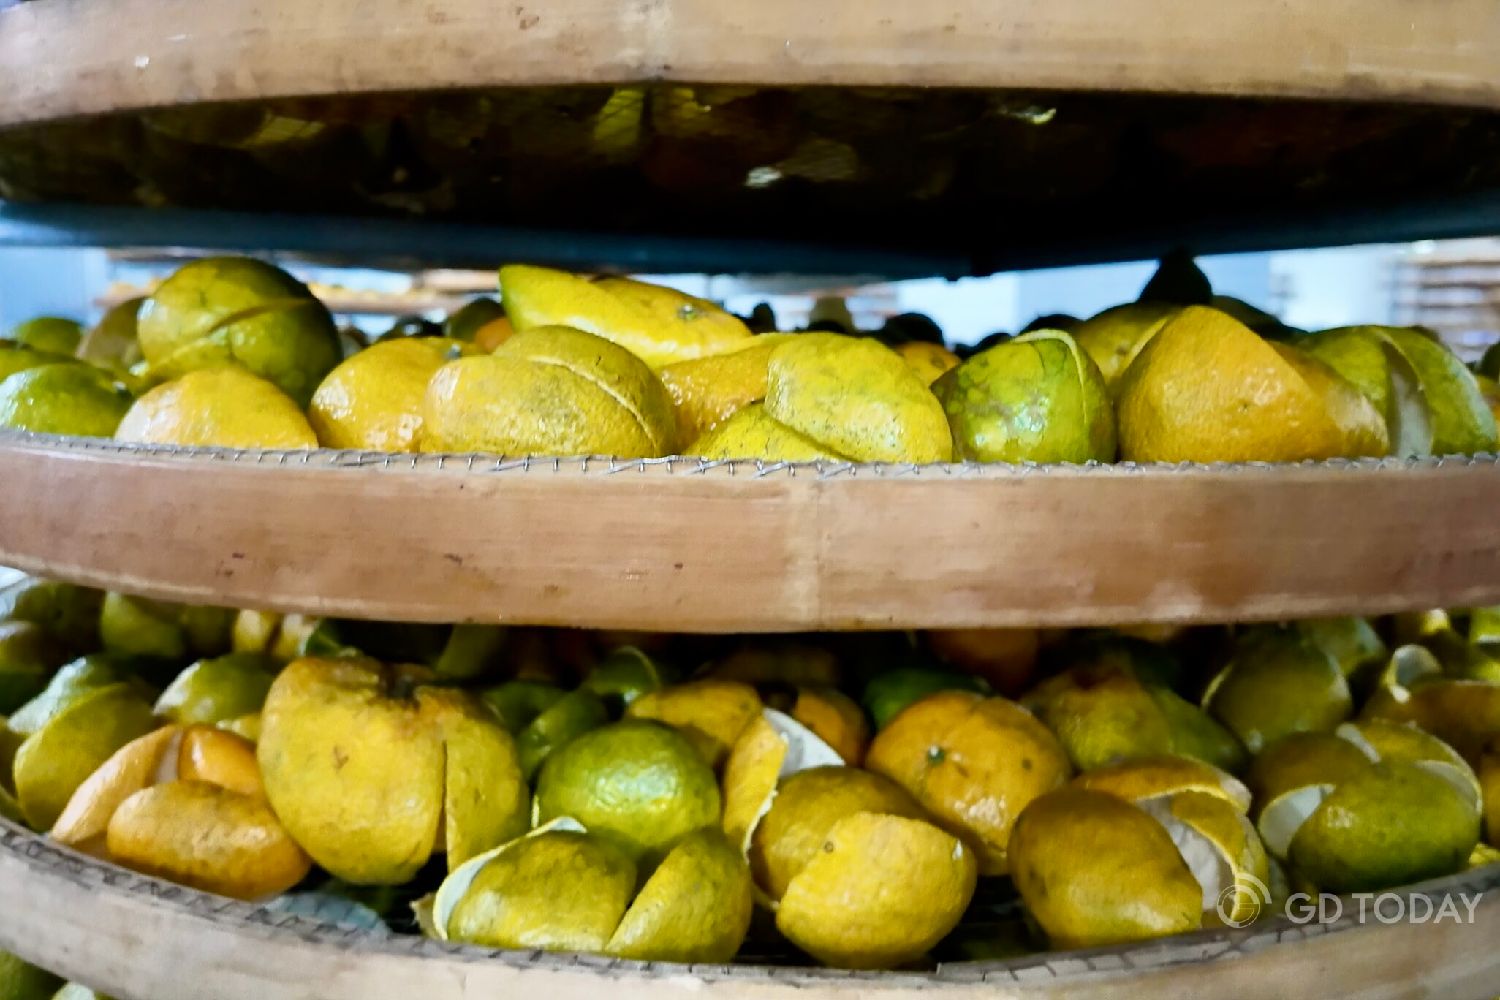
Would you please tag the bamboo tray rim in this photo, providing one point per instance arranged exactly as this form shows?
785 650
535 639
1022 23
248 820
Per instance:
490 463
62 59
30 863
688 545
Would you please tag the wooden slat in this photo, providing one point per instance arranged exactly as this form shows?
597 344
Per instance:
70 57
691 547
138 938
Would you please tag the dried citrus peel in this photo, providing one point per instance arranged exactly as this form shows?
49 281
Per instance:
185 803
695 906
461 878
772 748
1152 777
1204 811
1220 847
141 763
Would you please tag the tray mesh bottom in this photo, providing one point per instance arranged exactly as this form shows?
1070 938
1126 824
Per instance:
962 170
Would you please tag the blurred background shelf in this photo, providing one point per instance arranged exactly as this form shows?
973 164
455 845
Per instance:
1453 288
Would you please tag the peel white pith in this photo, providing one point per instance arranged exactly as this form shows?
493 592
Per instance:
461 878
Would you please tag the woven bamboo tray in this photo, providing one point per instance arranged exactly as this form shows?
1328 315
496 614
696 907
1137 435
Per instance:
687 545
139 938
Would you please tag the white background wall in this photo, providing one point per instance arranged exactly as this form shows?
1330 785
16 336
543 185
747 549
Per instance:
1337 287
50 282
